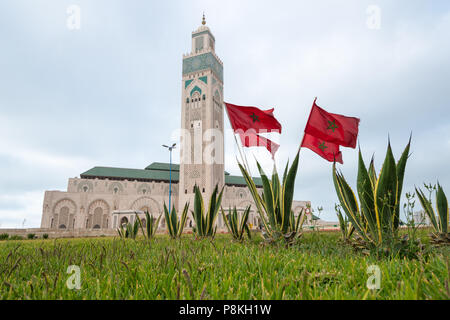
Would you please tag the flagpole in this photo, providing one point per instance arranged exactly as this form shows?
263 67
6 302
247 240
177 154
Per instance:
241 153
309 117
245 155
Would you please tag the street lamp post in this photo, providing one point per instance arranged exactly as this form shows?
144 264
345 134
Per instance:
170 173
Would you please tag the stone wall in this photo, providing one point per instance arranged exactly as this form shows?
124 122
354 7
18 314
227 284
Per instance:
76 233
89 203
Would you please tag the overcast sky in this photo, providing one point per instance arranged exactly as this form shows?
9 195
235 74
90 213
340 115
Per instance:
108 94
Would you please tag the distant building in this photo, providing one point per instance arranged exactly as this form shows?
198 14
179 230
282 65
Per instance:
421 218
104 198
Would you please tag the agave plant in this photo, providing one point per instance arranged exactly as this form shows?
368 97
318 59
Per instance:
346 227
274 205
439 219
151 225
175 226
376 218
205 222
129 230
235 225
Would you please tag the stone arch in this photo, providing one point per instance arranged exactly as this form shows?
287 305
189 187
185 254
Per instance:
144 189
62 214
65 202
115 188
148 202
98 203
241 193
85 186
97 214
123 220
195 90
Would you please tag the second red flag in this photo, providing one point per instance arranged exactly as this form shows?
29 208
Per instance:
332 127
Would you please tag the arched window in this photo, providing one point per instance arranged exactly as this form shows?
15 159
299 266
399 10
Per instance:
123 221
98 213
196 99
64 217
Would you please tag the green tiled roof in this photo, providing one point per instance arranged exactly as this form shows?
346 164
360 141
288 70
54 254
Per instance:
238 180
129 174
163 166
157 171
166 167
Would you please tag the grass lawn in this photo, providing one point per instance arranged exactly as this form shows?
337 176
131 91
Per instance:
319 267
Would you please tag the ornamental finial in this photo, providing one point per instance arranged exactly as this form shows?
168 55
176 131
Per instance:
203 20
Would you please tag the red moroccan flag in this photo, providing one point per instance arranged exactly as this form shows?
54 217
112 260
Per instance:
325 149
251 139
245 118
332 127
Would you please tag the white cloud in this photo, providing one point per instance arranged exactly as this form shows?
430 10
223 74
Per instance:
37 158
21 210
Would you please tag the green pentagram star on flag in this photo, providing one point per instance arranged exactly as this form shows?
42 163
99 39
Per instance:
322 146
327 150
254 117
332 125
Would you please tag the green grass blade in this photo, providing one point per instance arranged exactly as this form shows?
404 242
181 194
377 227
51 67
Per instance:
400 169
442 209
386 193
288 193
426 205
366 197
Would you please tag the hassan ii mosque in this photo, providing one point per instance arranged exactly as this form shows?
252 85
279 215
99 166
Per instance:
105 197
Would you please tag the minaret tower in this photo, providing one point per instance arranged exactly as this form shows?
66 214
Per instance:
202 135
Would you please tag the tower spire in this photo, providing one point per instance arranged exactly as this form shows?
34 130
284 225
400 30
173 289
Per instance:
203 20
